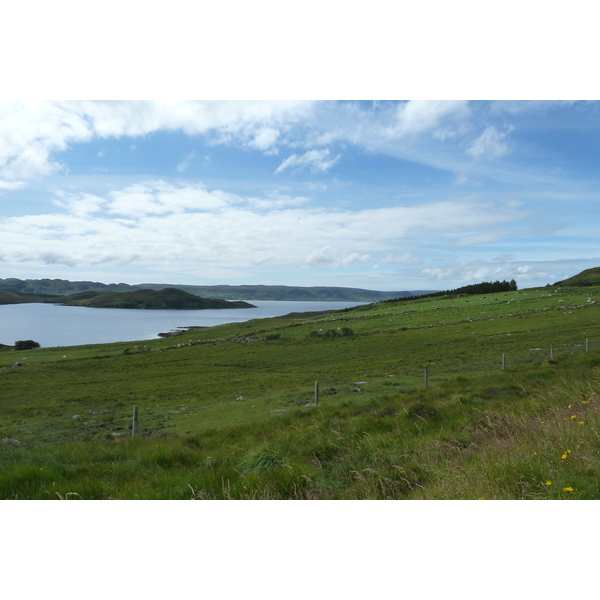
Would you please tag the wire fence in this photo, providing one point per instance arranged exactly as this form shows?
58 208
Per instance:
167 420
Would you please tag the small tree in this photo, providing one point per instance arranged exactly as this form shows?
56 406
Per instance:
26 345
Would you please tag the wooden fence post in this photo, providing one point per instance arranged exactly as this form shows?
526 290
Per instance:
503 360
586 345
551 352
316 393
135 421
426 377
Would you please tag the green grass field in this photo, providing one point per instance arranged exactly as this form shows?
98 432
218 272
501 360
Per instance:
228 411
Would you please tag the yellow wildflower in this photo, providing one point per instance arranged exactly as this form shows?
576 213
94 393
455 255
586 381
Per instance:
581 422
573 416
568 489
548 482
570 405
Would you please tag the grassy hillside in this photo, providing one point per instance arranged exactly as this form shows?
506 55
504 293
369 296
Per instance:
168 298
228 411
589 277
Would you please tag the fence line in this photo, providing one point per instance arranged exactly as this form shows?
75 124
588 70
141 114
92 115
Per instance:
410 381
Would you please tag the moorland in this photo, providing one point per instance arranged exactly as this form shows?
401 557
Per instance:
455 396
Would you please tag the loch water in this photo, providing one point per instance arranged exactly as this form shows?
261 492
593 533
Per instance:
54 325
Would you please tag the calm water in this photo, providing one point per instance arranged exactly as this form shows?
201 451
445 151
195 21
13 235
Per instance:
53 325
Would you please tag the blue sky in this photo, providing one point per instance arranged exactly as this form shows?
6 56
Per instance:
388 195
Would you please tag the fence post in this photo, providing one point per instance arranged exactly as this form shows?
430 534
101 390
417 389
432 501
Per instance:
551 352
316 393
135 421
503 360
426 377
586 345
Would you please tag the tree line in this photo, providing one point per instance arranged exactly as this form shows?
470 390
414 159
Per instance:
485 287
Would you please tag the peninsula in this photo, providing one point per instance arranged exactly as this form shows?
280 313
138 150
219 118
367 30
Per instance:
167 299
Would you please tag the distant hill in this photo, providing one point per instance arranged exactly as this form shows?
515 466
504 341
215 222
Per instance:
168 298
16 298
587 278
62 287
291 293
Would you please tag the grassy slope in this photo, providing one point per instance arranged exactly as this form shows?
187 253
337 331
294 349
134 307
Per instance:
589 277
476 432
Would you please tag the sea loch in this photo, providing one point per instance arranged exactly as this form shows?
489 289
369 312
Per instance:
54 325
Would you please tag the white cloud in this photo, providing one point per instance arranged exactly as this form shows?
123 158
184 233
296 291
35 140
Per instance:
32 132
11 185
160 198
277 201
185 163
165 226
529 273
329 257
406 260
79 205
417 116
316 159
264 138
490 144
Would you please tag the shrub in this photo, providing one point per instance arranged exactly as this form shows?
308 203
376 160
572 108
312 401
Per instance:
26 345
272 336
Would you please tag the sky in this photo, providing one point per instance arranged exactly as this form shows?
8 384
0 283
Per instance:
385 195
370 167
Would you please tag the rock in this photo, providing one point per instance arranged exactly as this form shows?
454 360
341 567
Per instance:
239 399
17 365
76 417
8 440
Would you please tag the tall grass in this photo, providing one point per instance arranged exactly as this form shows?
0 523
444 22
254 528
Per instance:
521 440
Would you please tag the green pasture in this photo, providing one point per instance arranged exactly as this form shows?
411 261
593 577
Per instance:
228 411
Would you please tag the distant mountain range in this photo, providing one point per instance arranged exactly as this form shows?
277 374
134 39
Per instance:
51 288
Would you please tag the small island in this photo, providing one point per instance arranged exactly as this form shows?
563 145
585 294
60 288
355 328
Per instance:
166 299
